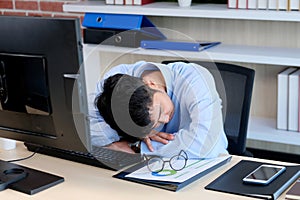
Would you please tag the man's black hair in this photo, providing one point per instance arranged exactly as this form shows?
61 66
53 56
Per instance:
124 105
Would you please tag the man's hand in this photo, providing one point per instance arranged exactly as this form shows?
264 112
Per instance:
161 137
120 146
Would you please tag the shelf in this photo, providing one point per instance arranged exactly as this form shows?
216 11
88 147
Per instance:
171 9
262 134
264 129
222 52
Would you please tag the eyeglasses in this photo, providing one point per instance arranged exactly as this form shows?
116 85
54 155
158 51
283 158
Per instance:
177 162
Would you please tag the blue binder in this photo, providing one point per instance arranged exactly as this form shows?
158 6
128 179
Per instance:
121 21
177 45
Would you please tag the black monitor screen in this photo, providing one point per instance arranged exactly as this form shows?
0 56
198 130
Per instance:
24 89
23 84
42 84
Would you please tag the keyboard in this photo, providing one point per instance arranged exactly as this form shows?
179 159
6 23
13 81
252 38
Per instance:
115 159
99 157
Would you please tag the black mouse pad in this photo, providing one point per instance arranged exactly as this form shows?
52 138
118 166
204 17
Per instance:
34 182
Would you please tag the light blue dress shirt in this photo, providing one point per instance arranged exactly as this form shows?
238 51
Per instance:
197 122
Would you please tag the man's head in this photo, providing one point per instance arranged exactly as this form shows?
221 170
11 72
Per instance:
134 106
124 104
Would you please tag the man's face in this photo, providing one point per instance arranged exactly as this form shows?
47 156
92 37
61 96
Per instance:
162 110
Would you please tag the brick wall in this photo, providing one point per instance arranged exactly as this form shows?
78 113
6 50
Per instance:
48 8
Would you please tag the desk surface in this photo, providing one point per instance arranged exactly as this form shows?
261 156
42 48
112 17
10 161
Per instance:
87 182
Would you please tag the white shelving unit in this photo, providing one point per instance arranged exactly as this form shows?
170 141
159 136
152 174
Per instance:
229 53
262 130
171 9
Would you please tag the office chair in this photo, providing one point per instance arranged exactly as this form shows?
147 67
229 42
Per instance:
234 84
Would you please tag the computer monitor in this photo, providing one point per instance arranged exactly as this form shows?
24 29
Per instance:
42 82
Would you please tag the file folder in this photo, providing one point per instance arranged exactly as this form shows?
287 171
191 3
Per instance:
97 36
232 181
121 21
177 45
116 37
167 185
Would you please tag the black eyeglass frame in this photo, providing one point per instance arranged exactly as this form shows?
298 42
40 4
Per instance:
182 154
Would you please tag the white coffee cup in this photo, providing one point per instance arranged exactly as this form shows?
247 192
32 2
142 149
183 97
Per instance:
184 3
7 144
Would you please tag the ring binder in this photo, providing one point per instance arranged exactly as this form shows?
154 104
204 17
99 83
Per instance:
117 37
121 22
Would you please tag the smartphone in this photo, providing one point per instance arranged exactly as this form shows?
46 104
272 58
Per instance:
264 174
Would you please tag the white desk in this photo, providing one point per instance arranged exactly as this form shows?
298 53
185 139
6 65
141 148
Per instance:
87 182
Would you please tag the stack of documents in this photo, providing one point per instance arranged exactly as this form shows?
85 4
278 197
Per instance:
170 179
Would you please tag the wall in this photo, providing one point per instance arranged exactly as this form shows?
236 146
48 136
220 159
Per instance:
40 8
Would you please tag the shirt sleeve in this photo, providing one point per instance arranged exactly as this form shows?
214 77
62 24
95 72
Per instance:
101 133
201 132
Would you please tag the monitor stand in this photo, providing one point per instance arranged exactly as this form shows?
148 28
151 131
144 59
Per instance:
34 182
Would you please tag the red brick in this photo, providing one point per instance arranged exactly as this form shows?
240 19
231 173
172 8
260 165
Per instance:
39 14
26 5
67 15
51 6
8 4
13 13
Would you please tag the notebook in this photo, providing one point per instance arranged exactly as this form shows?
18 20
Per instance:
231 181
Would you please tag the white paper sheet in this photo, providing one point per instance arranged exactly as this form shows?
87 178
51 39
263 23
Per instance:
192 168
